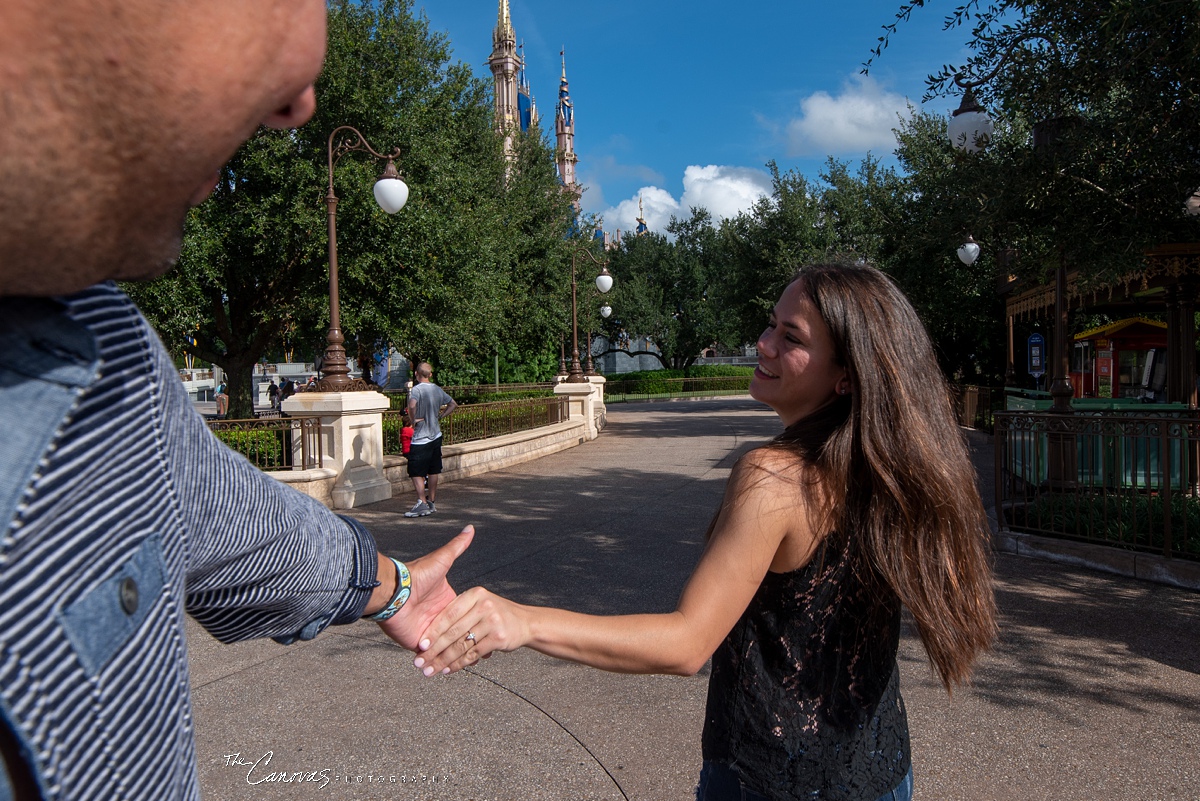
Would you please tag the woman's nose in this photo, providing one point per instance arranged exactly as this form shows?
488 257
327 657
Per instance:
764 341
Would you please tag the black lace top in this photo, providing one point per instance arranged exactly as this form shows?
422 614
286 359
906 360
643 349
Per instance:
804 698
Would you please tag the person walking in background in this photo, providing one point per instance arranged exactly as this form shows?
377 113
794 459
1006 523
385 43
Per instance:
864 504
273 395
425 409
222 398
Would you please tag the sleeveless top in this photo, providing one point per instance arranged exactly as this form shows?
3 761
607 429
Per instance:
804 696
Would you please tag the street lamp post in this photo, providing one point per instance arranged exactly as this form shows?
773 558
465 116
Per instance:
604 282
391 194
970 130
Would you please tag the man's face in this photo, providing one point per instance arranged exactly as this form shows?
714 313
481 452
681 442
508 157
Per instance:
117 115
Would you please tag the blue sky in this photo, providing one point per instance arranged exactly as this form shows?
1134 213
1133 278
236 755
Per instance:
685 103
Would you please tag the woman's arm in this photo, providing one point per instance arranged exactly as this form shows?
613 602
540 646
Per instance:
763 508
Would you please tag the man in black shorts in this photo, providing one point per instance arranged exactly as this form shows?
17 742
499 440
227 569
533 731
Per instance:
425 402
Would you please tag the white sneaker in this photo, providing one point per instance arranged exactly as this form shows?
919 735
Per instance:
420 509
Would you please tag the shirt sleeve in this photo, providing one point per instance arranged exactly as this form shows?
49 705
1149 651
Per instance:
263 560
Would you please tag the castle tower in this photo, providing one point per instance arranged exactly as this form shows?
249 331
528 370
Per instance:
564 131
527 112
641 220
505 64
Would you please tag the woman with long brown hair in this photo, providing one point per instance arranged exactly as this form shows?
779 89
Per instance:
866 503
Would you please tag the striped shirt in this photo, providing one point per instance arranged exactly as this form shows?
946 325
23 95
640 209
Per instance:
119 513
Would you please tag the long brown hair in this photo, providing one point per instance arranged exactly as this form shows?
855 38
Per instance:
893 468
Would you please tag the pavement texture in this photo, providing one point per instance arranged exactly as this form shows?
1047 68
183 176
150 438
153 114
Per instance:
1093 690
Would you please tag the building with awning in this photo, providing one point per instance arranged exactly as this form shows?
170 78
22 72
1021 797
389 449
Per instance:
1167 284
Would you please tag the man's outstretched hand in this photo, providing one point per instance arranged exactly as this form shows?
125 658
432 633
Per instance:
430 591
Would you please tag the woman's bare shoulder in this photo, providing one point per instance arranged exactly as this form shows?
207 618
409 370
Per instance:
770 473
783 492
771 464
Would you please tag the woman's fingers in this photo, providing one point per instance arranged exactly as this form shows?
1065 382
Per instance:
470 628
445 640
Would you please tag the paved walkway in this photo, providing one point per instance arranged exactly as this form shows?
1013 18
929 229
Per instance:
1093 691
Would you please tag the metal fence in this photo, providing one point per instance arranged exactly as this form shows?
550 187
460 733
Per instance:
483 420
273 443
655 388
976 406
1126 479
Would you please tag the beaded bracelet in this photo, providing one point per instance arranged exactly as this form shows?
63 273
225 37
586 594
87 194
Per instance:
403 590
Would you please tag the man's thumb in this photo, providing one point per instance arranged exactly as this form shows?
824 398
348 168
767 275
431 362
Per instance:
457 546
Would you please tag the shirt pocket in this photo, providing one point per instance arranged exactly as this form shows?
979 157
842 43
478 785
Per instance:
99 623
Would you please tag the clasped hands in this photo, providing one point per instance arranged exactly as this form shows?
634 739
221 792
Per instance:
435 623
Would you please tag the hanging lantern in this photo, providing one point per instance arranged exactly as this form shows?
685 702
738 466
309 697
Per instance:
970 127
968 251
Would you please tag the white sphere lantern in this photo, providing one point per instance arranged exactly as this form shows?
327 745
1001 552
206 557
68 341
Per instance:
391 193
968 251
606 311
1192 205
604 281
970 127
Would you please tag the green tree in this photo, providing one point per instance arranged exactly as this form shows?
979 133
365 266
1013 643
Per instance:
662 289
935 208
763 249
1109 88
437 280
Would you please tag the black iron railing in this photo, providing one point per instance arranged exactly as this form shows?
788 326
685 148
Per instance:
484 420
273 443
1130 480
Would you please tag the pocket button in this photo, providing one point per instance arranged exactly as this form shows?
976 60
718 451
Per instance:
128 591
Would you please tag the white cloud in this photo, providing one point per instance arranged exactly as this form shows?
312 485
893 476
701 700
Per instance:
859 119
723 191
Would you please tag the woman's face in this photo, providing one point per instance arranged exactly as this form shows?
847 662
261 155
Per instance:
797 371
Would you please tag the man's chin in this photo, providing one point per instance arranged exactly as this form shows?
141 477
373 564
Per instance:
204 190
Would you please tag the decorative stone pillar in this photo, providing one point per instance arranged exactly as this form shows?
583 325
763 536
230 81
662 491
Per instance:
599 410
581 403
351 442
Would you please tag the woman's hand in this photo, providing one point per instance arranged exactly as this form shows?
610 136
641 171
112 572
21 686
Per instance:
493 623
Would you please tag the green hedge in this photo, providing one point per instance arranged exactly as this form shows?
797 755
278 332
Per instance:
495 397
662 383
263 448
398 400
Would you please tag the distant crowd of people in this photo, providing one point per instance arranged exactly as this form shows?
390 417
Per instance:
277 393
286 388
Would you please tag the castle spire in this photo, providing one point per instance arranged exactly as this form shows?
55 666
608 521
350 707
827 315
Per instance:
504 28
505 64
564 130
